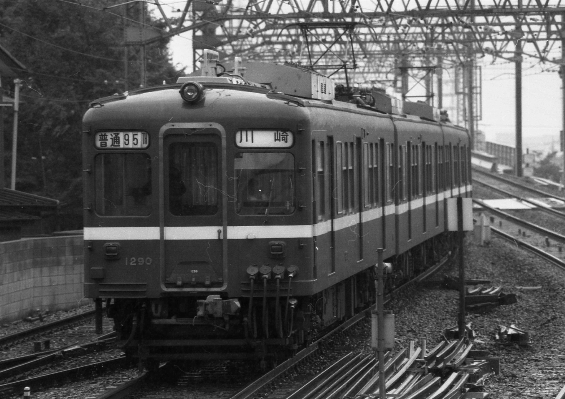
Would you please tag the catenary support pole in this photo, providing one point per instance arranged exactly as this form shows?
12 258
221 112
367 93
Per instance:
440 79
518 77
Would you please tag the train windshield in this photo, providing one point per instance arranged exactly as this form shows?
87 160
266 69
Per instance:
194 186
122 184
264 183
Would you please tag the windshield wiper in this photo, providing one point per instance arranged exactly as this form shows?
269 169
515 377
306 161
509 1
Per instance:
270 195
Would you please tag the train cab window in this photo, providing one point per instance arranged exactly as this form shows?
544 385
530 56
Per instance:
265 183
193 185
123 184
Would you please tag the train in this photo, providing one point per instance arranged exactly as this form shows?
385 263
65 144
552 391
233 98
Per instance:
237 214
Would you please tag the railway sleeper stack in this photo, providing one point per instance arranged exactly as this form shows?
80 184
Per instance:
451 370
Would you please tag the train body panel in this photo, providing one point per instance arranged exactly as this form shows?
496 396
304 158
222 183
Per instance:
252 215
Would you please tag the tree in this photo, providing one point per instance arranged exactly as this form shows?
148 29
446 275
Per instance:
548 168
75 54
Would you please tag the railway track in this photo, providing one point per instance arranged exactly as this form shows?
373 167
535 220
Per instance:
542 241
50 379
28 334
511 184
542 206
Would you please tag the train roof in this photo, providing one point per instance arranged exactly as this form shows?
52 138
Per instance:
290 83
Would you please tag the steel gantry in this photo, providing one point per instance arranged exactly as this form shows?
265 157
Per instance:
406 43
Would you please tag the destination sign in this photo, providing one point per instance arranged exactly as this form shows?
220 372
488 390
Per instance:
121 140
252 138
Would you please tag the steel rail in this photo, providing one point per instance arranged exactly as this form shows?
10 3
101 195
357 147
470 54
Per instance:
52 378
531 189
47 357
537 204
20 335
561 394
542 254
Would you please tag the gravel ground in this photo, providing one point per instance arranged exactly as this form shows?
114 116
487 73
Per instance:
533 371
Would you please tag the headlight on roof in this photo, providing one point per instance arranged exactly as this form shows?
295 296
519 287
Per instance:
192 92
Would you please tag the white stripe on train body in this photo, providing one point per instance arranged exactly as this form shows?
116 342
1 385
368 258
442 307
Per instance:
253 232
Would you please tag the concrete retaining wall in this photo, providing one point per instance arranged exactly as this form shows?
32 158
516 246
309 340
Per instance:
40 273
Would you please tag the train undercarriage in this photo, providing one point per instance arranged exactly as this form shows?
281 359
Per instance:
259 326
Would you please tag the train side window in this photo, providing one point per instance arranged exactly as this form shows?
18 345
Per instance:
448 167
375 178
401 177
456 165
464 164
348 177
193 179
339 176
367 174
123 184
429 170
320 166
413 171
440 167
389 171
264 183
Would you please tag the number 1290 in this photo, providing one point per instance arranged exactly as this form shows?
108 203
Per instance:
138 261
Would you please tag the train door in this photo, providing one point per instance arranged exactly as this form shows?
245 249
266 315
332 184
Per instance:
333 171
193 210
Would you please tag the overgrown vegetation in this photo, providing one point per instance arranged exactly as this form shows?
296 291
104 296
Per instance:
549 168
73 53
